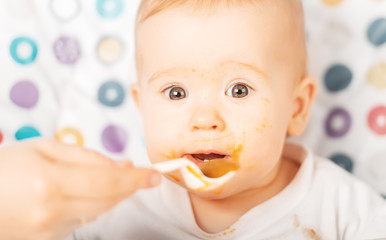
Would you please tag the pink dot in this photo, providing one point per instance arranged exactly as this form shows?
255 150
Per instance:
1 137
114 139
24 94
377 120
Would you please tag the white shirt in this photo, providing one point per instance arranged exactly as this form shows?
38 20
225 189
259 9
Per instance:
323 201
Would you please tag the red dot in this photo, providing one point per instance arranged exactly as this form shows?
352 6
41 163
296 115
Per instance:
1 137
377 120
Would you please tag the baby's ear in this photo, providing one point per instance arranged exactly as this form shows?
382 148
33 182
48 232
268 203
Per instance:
303 98
135 93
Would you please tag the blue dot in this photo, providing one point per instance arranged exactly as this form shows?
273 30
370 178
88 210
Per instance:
337 78
26 132
111 94
376 32
20 59
109 8
343 160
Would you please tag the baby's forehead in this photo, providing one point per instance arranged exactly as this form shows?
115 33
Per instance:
149 8
274 34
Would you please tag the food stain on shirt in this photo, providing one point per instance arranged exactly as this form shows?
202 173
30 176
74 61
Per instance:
226 232
311 234
296 221
308 232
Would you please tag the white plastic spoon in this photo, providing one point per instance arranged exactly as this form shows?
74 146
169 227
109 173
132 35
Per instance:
192 174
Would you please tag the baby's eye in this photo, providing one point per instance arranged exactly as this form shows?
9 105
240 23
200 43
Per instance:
175 93
238 90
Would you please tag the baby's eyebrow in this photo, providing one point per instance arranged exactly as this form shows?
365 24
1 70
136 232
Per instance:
246 66
224 65
168 72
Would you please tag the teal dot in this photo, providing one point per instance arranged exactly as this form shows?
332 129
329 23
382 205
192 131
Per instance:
26 132
376 33
15 44
109 8
343 160
337 78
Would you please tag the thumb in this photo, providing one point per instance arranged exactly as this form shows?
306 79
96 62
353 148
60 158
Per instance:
142 177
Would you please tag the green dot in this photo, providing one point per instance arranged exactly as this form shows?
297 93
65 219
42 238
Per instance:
26 132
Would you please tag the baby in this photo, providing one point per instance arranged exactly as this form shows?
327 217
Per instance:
227 79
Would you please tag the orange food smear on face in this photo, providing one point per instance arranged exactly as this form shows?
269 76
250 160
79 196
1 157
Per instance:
236 153
171 155
219 191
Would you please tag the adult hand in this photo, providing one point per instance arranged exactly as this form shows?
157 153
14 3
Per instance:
48 189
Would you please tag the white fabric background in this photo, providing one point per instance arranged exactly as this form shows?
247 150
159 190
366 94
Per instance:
94 45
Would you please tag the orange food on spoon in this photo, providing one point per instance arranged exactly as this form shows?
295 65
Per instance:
218 167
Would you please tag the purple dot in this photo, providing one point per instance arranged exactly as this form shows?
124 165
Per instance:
24 94
66 50
114 138
338 131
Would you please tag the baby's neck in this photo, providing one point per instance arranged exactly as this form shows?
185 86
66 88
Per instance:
214 216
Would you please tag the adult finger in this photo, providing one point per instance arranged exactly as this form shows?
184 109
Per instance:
99 182
63 153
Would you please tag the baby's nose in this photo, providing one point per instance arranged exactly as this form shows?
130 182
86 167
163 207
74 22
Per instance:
206 118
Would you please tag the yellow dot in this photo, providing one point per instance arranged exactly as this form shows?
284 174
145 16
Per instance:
193 70
109 49
377 75
332 2
70 135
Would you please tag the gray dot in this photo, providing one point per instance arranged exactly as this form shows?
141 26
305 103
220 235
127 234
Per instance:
117 94
343 160
337 78
376 32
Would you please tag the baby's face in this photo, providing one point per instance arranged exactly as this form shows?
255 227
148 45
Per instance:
218 85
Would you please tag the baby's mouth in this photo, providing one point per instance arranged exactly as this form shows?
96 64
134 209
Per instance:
213 164
200 158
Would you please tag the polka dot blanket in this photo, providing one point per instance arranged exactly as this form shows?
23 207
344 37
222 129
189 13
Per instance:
66 67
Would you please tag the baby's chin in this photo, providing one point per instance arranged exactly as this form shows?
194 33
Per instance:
217 193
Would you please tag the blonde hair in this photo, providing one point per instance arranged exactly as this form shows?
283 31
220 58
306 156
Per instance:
149 8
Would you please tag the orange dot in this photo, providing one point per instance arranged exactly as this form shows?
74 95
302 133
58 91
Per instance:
332 2
70 135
